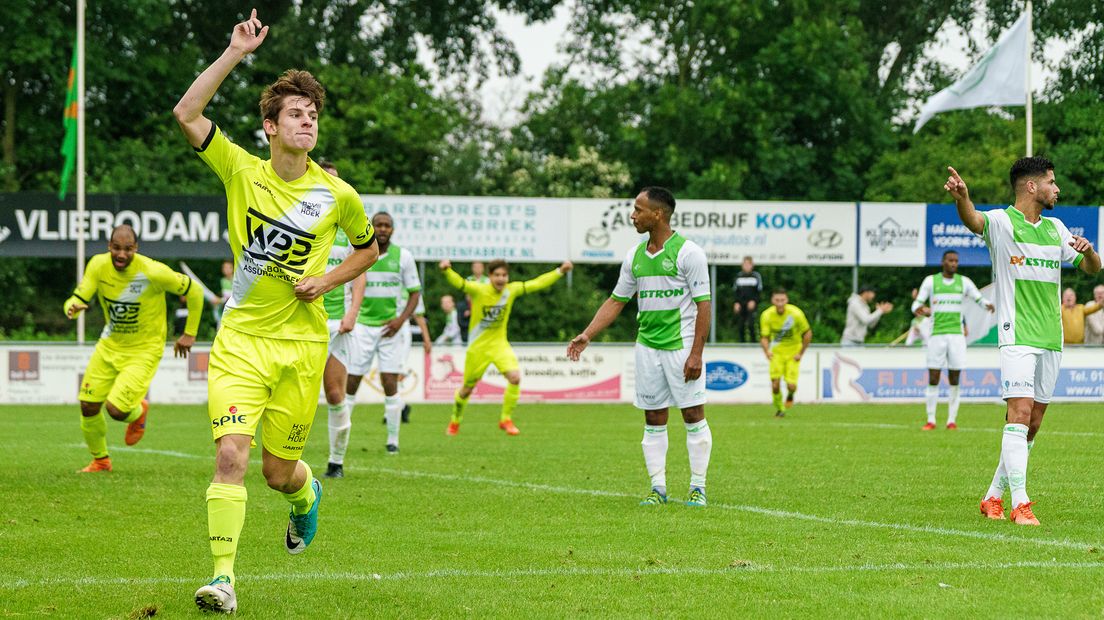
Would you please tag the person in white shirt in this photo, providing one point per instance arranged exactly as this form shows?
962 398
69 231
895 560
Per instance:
860 318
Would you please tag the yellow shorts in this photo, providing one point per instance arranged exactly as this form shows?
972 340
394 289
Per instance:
784 366
250 379
479 357
120 377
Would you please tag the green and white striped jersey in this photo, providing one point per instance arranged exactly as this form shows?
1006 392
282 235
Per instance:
1027 272
393 274
946 301
668 286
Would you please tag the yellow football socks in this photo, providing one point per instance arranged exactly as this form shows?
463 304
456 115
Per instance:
302 500
458 405
95 434
776 398
134 415
509 401
225 518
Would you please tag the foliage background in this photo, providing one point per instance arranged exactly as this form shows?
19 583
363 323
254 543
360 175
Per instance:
721 99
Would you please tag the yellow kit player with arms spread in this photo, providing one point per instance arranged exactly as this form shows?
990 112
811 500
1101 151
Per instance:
132 291
487 344
268 358
784 326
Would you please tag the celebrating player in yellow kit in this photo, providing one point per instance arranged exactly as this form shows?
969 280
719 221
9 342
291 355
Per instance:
268 358
487 344
131 288
784 325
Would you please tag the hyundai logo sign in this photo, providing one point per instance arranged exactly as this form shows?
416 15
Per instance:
723 376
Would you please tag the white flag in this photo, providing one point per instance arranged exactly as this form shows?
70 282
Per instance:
1000 78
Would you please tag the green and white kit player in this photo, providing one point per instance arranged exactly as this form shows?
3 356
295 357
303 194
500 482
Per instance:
947 344
1027 251
382 329
670 278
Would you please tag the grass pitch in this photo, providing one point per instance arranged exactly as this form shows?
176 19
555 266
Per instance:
832 510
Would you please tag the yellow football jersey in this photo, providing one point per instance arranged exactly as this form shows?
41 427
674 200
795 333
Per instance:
133 300
280 233
783 330
490 311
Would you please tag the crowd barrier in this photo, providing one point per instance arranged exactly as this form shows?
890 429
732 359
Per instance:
42 373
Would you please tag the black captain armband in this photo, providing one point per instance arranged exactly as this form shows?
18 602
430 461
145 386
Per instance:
366 244
207 140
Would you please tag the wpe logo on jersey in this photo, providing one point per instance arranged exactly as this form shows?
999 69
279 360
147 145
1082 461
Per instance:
282 243
723 376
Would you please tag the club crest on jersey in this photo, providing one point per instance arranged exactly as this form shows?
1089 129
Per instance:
668 264
273 241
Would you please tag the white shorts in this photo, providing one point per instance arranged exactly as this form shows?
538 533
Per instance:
1029 372
661 383
391 350
947 351
342 346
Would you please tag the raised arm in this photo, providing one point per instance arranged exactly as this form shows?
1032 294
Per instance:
545 280
247 36
966 212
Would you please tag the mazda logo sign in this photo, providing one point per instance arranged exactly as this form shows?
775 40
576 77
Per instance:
825 239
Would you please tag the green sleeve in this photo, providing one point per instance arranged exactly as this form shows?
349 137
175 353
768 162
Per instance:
541 282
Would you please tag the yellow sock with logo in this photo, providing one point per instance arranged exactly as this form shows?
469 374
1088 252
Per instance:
509 401
302 500
225 518
95 434
458 405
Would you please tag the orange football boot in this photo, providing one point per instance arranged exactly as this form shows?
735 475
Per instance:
1022 515
136 429
101 464
453 428
928 427
951 426
508 426
993 508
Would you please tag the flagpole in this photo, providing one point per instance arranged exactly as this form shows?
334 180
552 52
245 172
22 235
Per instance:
80 159
1027 81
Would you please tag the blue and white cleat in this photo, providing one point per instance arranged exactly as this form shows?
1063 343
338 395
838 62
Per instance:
697 497
217 596
302 528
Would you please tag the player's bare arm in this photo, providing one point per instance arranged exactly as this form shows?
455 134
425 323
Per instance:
765 343
393 326
1091 263
313 287
605 316
961 194
806 340
348 322
693 367
247 37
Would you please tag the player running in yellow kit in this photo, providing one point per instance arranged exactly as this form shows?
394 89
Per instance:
131 288
487 343
784 326
268 358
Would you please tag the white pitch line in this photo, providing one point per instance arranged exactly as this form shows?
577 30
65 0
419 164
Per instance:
760 510
772 512
888 426
501 574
